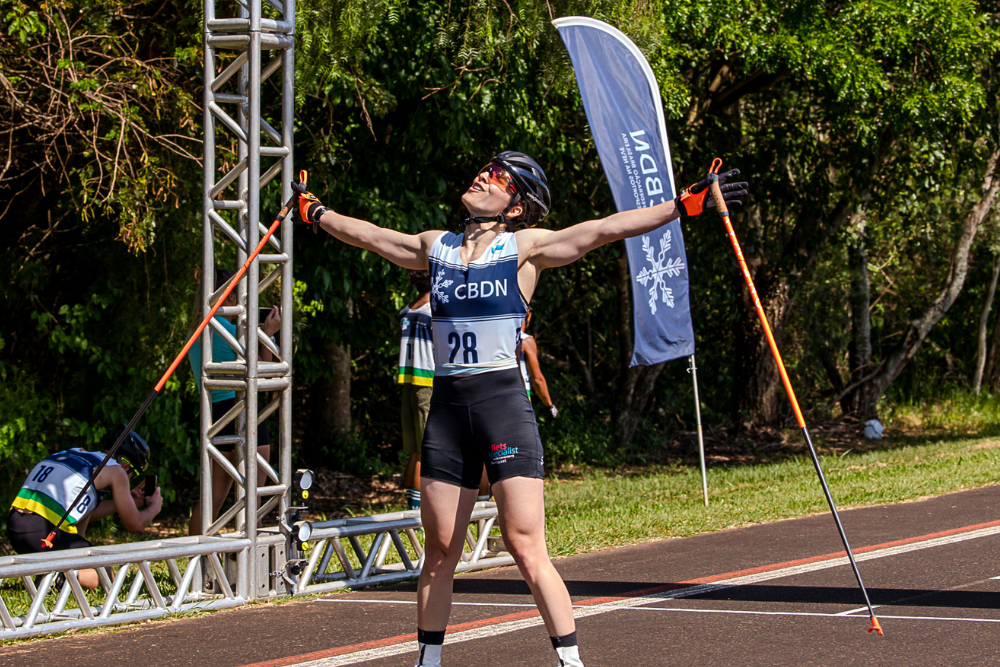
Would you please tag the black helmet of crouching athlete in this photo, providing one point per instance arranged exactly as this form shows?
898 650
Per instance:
532 186
133 449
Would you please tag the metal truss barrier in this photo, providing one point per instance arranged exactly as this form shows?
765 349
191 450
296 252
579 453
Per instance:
146 580
130 590
395 538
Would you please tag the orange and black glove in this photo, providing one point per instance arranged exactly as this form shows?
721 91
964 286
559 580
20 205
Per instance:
697 199
310 208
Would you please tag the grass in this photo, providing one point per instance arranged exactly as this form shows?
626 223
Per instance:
595 510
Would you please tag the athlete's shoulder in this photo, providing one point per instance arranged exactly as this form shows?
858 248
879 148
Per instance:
106 477
72 452
528 237
448 239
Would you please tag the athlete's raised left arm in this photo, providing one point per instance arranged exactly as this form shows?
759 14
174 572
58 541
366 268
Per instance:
547 249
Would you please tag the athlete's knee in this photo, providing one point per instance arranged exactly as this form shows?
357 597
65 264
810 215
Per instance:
530 555
88 579
440 554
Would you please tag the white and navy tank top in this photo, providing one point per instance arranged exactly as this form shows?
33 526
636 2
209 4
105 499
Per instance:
416 348
477 309
55 482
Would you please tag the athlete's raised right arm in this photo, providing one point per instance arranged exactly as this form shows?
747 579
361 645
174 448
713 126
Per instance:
409 251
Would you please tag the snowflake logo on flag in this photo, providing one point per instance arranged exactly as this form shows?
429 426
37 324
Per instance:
660 267
438 287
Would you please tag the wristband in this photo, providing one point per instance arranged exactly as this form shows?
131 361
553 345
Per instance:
691 203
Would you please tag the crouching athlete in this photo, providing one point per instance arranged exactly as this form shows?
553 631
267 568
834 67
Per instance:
55 482
482 282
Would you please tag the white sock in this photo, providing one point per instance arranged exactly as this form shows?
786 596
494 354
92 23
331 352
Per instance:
567 650
429 655
569 656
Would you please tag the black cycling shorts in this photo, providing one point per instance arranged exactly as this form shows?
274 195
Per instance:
219 408
477 419
25 530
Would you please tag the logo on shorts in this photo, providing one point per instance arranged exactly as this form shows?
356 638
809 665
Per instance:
501 453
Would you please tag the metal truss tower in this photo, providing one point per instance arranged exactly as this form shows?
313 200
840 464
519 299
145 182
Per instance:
246 53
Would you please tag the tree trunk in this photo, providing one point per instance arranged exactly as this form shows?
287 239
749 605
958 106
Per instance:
758 393
635 384
992 371
335 393
859 350
984 318
917 330
583 366
827 358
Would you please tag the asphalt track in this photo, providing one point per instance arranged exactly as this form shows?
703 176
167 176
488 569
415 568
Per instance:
774 594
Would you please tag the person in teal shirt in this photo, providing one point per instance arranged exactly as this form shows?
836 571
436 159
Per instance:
224 400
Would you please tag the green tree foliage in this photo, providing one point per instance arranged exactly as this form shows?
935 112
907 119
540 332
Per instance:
100 247
882 113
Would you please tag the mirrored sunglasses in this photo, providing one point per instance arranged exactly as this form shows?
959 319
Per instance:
499 176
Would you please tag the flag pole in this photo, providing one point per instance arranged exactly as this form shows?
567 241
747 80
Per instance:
693 370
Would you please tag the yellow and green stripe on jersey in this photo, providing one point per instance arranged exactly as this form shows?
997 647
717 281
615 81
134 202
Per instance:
417 376
55 482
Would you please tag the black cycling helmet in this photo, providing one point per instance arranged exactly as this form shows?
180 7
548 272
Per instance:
134 451
532 190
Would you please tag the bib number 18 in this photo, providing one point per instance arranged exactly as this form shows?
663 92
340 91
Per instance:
467 343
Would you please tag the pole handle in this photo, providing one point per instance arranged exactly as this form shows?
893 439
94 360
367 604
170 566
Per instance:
713 177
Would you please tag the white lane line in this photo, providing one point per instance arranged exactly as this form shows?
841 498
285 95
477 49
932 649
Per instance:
629 603
808 613
453 604
855 611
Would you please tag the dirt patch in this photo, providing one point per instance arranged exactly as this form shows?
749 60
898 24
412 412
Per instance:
749 445
989 444
336 495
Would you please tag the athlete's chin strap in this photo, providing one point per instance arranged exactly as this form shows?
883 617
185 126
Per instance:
468 219
501 217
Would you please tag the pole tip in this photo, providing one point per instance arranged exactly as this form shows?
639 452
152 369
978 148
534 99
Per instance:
47 541
875 626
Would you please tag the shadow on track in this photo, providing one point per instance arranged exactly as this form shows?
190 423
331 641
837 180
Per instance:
910 597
